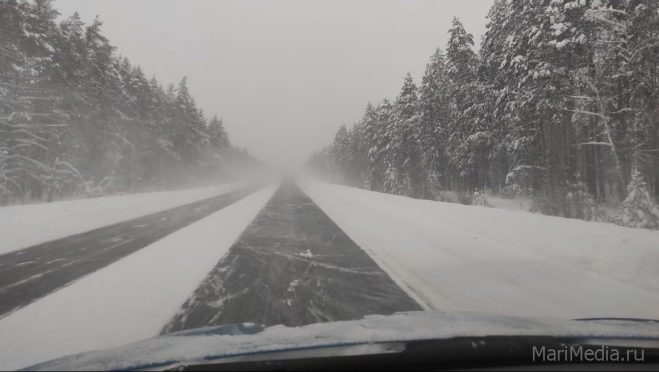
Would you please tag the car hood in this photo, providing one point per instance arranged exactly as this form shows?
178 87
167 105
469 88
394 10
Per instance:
372 334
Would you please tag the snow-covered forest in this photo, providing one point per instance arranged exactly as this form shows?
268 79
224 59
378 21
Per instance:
560 105
77 119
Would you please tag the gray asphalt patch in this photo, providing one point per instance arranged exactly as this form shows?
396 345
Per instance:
293 266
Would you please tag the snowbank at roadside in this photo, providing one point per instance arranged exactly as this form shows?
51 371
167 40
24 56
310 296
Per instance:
466 258
22 226
130 300
517 204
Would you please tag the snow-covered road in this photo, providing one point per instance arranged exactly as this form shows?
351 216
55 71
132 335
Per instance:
467 258
291 266
24 225
129 300
297 262
31 273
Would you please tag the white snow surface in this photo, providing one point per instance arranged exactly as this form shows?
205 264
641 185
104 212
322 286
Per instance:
517 204
366 335
129 300
306 254
22 226
453 257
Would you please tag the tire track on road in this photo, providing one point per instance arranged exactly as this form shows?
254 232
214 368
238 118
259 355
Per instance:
32 273
294 266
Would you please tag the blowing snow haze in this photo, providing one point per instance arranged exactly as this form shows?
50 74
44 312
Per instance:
283 75
480 176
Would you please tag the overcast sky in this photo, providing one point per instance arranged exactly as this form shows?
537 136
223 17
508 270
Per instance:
284 75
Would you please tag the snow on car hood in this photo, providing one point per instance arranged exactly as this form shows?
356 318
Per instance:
246 340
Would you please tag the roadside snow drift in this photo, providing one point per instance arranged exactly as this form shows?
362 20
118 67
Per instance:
465 258
22 226
130 300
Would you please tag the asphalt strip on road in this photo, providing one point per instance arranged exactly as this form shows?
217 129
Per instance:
31 273
293 266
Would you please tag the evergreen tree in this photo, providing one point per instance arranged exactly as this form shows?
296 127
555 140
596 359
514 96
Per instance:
341 150
403 175
466 135
433 117
380 142
560 104
638 210
76 119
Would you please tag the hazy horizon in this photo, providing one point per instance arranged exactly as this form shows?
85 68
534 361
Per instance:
283 75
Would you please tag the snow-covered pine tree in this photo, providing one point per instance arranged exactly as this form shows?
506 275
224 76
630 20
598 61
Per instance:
358 155
543 46
494 89
381 142
74 116
404 176
618 91
369 142
480 199
183 115
432 132
561 105
341 152
105 134
638 210
466 135
12 61
28 120
219 140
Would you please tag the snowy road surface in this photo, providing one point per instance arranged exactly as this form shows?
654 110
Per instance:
292 266
33 272
297 256
26 225
469 258
129 300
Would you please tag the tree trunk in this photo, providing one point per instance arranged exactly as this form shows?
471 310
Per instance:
601 195
591 164
654 117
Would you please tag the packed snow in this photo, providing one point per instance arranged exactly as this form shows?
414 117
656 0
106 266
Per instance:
446 256
306 254
294 283
22 226
516 204
129 300
465 258
357 338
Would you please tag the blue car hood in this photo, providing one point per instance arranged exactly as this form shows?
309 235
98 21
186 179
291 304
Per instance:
373 334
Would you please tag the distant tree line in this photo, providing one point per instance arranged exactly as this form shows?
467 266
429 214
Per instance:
77 119
560 104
